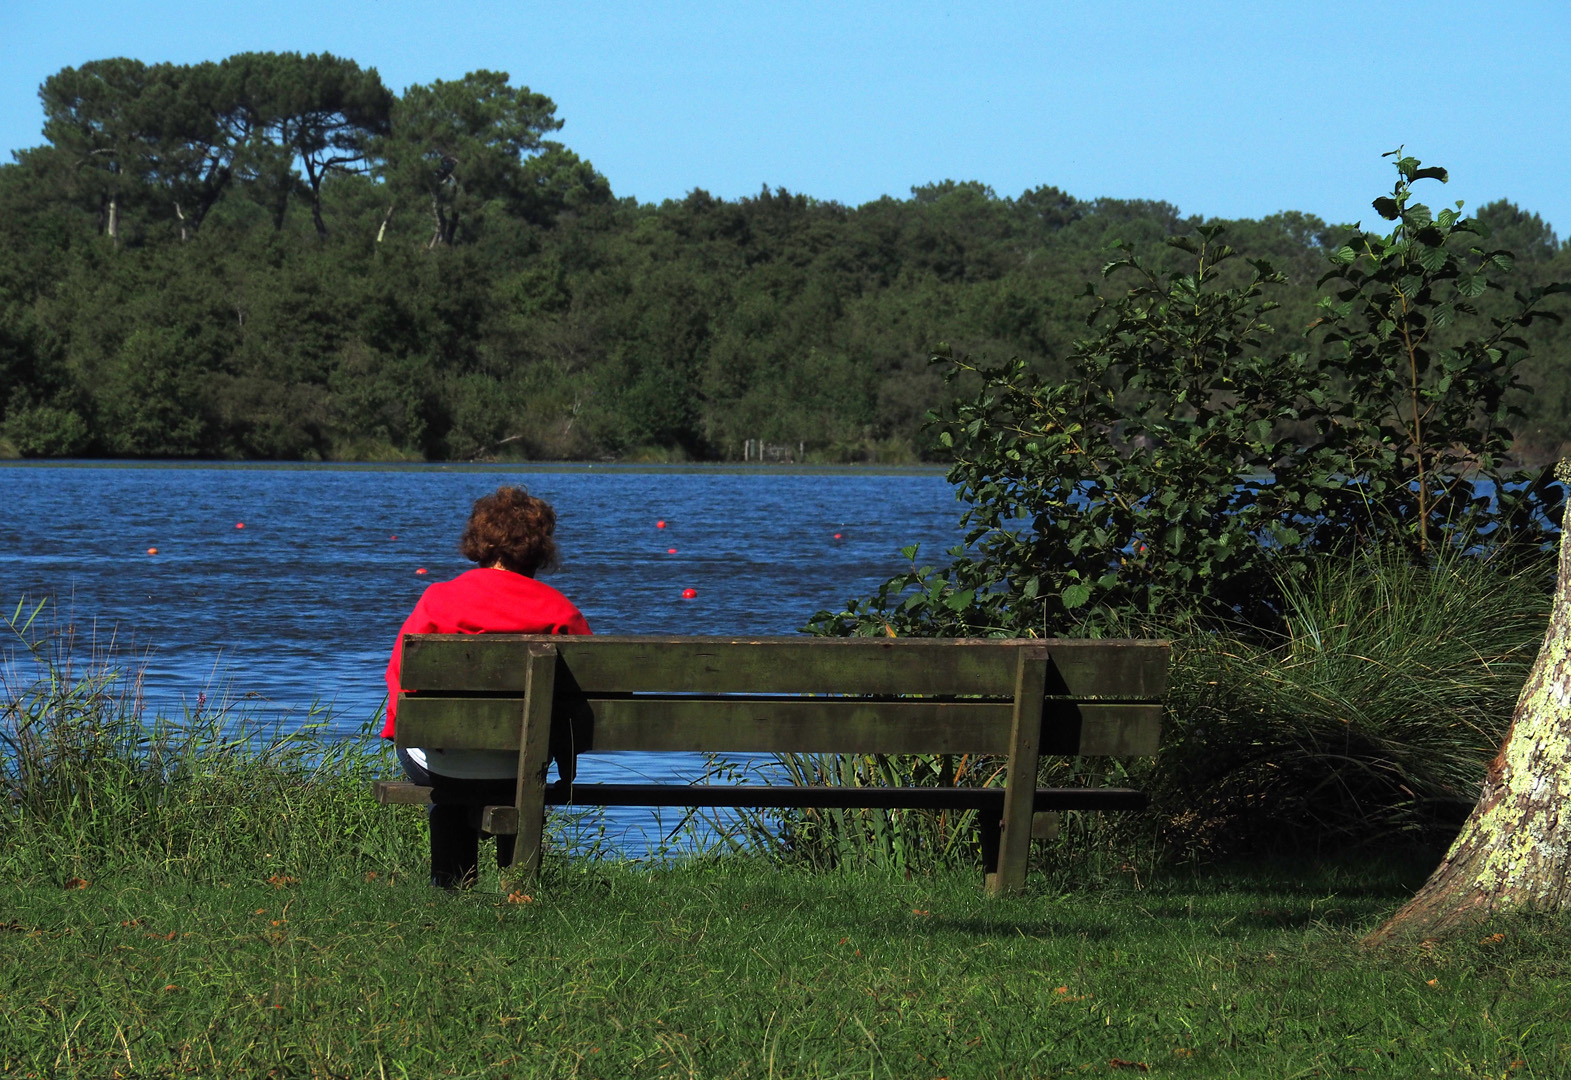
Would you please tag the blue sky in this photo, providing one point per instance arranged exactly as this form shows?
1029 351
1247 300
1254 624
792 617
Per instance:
1224 109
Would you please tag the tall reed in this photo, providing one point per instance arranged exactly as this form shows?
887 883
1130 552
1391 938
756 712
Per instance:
900 839
89 783
1372 716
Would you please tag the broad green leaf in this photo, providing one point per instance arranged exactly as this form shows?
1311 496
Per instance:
960 601
1471 285
1075 596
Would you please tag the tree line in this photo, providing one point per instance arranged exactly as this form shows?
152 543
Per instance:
276 256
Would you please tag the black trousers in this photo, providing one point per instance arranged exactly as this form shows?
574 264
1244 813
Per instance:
455 822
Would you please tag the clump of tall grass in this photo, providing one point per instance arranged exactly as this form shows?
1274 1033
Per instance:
914 841
900 839
1373 714
89 783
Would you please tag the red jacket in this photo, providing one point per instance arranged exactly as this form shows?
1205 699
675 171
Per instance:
483 601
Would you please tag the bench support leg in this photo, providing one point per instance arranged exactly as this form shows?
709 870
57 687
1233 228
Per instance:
987 825
534 742
1014 843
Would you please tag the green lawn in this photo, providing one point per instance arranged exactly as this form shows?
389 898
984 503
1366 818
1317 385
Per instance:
737 968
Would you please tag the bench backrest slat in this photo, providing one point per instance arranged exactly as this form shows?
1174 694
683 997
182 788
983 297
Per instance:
1122 670
802 725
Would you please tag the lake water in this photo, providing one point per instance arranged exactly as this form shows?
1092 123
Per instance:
302 604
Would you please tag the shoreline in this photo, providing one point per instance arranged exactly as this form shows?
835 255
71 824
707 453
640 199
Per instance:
711 467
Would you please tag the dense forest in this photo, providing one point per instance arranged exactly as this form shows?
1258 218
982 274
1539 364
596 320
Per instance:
275 256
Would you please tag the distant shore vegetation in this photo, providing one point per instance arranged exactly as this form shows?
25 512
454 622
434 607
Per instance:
275 256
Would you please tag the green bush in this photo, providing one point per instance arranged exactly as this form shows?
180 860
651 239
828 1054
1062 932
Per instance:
46 431
1189 466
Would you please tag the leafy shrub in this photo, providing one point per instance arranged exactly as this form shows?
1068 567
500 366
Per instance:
1185 470
46 431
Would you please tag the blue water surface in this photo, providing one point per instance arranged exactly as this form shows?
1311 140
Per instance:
301 606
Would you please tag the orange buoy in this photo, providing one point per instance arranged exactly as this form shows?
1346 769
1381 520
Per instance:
239 524
421 570
659 524
392 538
152 551
688 594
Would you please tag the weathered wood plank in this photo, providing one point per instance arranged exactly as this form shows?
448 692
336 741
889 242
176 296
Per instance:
1025 739
804 725
1100 730
533 740
499 820
399 792
1121 670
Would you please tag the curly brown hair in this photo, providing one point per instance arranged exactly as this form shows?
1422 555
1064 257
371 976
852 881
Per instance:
511 527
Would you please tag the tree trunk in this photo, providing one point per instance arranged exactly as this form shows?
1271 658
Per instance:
315 178
1514 851
112 220
439 223
316 215
386 219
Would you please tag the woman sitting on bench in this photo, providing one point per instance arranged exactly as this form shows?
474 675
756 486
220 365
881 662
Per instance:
510 537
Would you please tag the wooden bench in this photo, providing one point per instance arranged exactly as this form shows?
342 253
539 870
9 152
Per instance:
1016 699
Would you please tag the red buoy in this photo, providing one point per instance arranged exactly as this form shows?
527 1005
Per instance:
670 551
421 570
688 594
837 536
239 524
152 551
659 524
392 538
